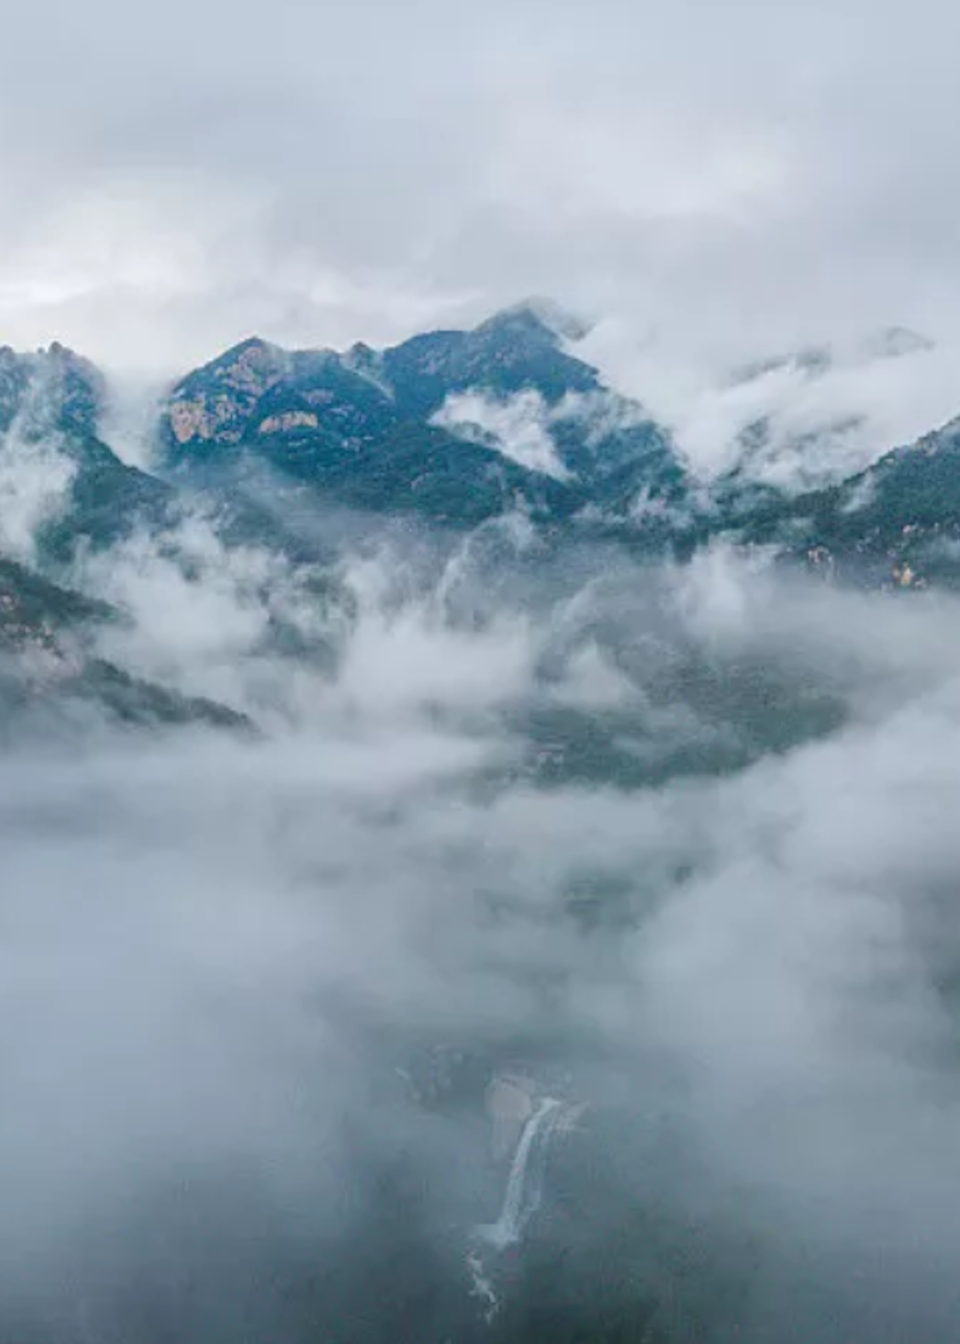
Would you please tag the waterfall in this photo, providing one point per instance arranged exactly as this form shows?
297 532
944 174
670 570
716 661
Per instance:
524 1190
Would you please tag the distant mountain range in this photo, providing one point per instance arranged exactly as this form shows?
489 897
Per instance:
390 430
451 428
459 426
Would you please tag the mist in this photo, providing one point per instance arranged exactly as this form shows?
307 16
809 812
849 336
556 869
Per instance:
416 932
682 836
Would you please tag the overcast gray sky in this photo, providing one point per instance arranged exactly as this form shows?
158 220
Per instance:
738 174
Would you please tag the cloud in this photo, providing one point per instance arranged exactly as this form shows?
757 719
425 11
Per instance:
819 422
692 834
36 471
518 426
612 160
218 954
35 478
217 620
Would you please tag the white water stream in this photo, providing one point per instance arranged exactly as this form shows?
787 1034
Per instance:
524 1190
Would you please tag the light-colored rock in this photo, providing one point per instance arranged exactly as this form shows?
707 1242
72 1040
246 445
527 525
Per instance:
286 421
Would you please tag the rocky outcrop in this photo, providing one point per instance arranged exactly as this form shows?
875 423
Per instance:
363 426
286 421
214 403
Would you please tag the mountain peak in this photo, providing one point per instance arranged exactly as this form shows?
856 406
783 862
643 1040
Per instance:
50 388
251 343
56 350
252 350
539 316
250 367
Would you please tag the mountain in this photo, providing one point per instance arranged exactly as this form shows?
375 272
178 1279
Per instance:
456 427
76 492
514 351
388 430
49 669
49 390
51 405
66 495
35 613
895 524
812 418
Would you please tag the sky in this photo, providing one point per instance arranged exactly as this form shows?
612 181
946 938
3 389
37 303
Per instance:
722 178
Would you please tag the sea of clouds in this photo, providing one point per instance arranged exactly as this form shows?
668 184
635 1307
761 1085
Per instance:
687 832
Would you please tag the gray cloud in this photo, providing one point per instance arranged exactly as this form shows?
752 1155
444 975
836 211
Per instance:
739 178
215 953
198 936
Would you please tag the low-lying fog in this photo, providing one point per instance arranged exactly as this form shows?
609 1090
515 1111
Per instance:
688 838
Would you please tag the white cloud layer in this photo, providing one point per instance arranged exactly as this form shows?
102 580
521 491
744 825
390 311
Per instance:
214 951
519 427
747 178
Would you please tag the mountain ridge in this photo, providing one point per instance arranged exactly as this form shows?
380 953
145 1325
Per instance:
455 427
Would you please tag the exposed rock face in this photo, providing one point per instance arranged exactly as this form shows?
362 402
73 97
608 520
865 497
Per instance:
254 367
288 420
363 425
191 420
373 430
216 402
